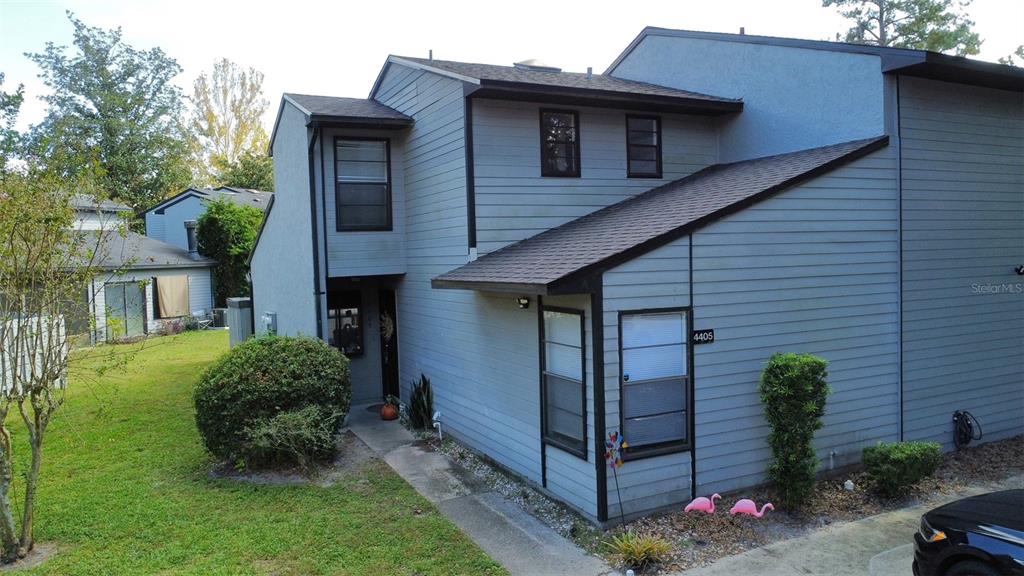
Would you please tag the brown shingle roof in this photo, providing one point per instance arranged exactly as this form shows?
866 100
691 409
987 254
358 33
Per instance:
348 108
618 232
571 80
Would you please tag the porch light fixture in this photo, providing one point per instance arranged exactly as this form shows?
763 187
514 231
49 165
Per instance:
523 302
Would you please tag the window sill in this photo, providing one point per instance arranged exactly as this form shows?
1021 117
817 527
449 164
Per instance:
559 175
642 452
568 447
644 176
388 229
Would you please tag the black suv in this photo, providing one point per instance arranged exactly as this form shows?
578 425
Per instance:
977 536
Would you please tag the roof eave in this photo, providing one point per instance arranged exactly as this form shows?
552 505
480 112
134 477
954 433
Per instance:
947 68
505 90
331 121
500 287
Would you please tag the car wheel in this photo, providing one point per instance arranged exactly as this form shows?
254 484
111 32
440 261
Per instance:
971 568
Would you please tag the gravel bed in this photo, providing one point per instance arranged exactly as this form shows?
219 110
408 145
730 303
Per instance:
699 539
552 513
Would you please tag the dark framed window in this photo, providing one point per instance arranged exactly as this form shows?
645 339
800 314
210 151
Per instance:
362 173
643 147
654 359
559 143
563 385
345 321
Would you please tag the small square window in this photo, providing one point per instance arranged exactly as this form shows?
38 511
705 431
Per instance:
559 143
643 146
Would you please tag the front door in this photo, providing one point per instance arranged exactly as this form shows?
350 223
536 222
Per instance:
388 342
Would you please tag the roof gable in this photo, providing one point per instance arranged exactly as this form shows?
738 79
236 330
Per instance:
908 61
559 259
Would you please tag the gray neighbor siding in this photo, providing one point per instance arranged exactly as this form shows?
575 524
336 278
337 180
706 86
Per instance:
514 202
963 233
282 263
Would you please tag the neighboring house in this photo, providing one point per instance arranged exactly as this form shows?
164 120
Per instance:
165 221
142 282
570 254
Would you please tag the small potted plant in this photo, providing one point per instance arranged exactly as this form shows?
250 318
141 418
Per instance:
389 411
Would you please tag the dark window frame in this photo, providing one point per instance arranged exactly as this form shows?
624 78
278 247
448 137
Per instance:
577 169
337 186
675 446
558 441
657 147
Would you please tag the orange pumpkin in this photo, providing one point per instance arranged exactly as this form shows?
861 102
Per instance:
388 412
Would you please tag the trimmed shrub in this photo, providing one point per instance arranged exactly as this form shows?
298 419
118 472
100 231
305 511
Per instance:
639 550
239 396
303 435
421 404
793 390
894 467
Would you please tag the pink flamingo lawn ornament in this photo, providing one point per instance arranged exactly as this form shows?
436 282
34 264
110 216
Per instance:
746 506
702 504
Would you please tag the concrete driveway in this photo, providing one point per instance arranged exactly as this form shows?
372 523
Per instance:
881 545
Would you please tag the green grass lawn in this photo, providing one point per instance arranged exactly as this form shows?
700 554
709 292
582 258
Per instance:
125 491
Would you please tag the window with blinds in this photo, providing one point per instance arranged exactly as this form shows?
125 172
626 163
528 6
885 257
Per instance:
363 184
564 388
655 379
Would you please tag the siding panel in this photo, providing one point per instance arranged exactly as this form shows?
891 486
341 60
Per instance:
963 230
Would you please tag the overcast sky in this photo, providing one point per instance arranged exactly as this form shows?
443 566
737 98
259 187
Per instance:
337 48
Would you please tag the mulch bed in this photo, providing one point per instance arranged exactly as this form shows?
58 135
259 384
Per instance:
699 539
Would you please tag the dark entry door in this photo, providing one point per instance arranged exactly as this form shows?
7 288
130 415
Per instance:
389 342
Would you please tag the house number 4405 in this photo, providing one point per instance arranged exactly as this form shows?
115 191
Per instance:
704 336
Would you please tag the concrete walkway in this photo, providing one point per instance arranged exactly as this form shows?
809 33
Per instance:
511 536
881 545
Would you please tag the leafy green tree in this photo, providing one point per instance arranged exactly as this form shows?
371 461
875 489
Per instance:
252 170
937 25
227 232
10 105
1015 59
227 118
115 109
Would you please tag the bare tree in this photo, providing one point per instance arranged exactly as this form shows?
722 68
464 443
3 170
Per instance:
47 268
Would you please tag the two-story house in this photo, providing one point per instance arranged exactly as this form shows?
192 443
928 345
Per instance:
166 221
571 254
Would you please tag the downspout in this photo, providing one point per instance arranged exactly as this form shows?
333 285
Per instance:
323 198
317 292
692 392
597 331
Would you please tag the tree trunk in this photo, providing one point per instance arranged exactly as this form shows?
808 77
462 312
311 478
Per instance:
8 531
883 37
28 537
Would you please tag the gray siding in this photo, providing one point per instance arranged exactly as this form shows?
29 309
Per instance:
812 270
200 293
282 263
171 224
364 253
514 202
963 233
658 279
793 98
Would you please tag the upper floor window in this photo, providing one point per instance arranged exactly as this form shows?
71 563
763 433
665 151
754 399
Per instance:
362 184
643 146
559 143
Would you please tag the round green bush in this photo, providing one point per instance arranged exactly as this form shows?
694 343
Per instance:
259 380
